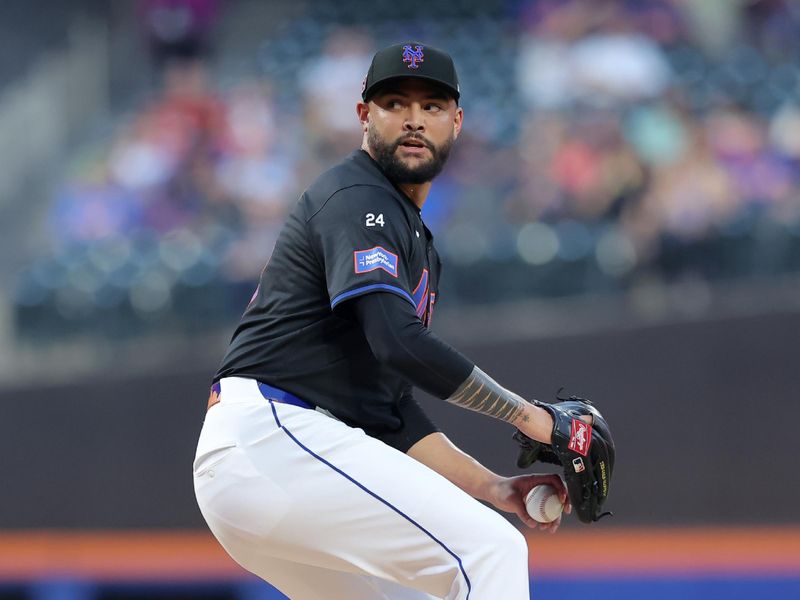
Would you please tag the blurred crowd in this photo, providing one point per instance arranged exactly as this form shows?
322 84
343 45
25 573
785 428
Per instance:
606 143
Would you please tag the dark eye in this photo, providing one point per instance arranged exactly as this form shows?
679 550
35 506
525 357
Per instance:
434 107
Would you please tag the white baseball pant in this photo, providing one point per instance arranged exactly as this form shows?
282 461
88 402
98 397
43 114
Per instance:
323 511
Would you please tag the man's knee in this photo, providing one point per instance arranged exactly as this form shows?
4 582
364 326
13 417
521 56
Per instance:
498 566
512 543
503 546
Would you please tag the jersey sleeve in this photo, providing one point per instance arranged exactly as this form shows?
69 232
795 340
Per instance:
363 239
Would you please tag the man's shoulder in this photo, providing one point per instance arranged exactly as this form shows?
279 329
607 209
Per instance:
353 182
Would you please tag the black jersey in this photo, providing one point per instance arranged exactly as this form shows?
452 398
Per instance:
351 233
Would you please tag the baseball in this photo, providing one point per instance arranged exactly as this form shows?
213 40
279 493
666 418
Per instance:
543 504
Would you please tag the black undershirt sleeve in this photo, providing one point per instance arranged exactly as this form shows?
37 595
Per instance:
416 424
399 340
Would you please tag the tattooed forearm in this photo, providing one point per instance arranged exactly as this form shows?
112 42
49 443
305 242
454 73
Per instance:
481 393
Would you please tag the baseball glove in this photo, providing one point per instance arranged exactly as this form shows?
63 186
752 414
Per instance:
586 452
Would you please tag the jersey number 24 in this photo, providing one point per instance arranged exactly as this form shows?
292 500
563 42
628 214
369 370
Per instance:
372 220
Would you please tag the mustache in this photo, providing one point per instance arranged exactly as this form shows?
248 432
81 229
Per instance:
416 138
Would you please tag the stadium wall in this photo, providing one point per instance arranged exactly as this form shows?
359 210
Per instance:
116 451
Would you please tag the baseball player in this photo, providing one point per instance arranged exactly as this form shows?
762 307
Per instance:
316 468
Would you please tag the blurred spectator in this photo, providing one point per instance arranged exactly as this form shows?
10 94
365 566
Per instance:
588 51
177 29
714 25
257 172
331 86
688 198
784 135
153 174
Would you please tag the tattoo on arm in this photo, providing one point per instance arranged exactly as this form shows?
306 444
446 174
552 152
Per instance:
481 393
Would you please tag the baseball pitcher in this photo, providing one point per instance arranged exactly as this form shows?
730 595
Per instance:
316 468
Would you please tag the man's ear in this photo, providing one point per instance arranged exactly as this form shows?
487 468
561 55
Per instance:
458 122
362 110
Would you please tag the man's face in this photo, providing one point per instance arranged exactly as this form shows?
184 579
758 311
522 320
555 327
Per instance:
411 126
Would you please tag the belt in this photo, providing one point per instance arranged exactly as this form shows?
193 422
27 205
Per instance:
269 392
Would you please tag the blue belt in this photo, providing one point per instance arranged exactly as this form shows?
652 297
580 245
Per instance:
269 392
278 395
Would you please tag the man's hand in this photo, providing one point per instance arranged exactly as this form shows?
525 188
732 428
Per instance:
505 493
581 443
508 494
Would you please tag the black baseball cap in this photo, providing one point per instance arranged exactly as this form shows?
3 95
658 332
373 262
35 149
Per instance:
411 59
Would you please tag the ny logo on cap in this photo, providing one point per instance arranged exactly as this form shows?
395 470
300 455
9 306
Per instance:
412 57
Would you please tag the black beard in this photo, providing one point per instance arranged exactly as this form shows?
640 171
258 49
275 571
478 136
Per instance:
398 172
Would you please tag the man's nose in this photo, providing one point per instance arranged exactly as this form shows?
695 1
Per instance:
414 119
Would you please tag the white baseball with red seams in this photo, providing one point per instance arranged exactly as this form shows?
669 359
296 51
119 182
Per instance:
543 503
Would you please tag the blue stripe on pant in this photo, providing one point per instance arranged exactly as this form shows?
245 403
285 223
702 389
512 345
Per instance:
374 495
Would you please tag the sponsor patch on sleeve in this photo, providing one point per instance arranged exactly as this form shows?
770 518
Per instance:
580 437
375 258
